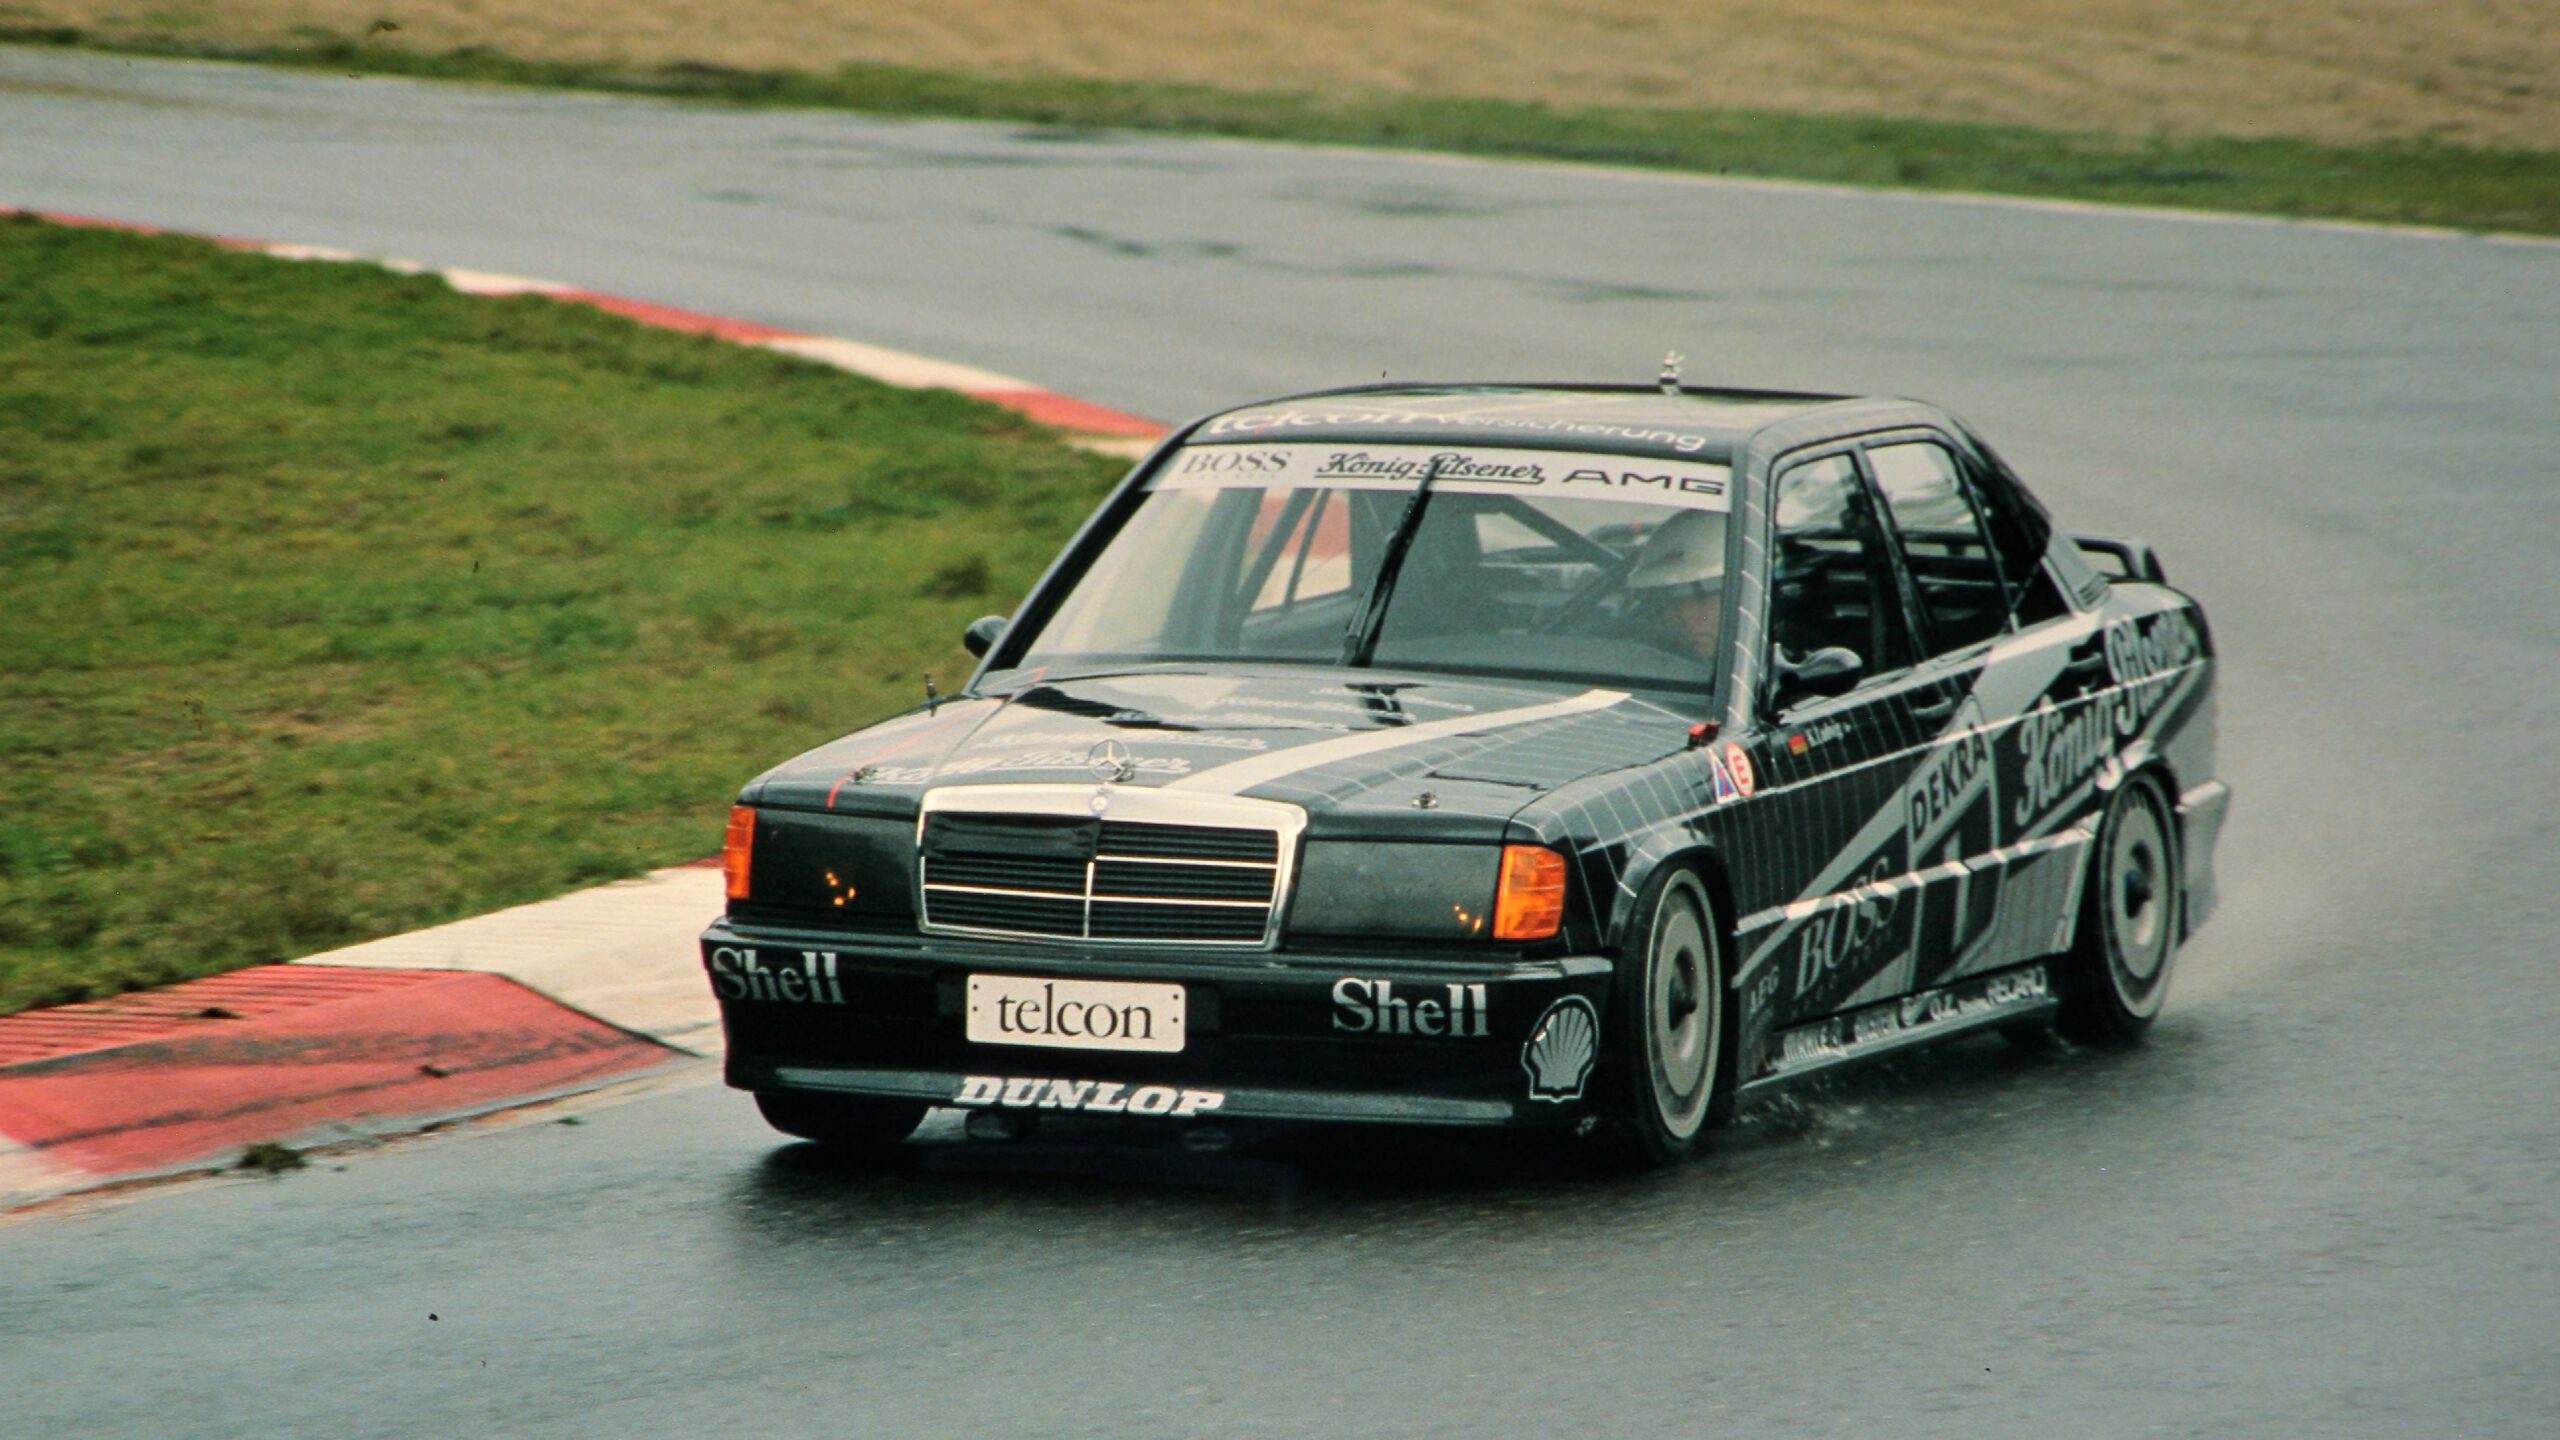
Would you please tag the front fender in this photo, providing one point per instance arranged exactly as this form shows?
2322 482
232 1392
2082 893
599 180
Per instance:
1647 858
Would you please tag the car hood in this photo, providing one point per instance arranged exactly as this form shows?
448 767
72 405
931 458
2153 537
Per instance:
1361 751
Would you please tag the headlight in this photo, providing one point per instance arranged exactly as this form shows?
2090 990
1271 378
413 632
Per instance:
1367 889
840 870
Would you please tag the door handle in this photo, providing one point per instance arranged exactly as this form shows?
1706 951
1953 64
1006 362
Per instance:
2089 657
1935 709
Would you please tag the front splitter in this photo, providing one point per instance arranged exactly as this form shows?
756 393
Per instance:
1182 1102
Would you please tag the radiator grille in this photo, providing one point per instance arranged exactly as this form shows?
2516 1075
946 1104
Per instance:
1090 879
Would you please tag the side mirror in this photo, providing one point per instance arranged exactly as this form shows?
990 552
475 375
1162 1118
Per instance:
982 635
1831 670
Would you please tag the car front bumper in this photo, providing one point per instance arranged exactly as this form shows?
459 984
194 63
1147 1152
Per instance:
1271 1037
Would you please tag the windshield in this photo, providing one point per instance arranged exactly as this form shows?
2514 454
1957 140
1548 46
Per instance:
1519 562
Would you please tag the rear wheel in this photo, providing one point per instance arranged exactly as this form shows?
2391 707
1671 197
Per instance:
1671 1026
2117 974
842 1122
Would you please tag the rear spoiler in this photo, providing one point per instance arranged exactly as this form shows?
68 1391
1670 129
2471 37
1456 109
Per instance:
2122 557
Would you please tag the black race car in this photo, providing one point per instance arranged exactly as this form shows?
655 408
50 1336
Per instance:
1572 756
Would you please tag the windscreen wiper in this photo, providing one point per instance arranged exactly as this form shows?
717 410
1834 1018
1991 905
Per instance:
1360 634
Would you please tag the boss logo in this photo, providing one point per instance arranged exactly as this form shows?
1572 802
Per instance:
1849 938
1198 462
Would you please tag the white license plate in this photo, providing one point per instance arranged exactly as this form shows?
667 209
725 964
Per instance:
1075 1014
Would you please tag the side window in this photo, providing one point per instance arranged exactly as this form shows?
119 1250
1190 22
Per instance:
1943 545
2019 533
1830 583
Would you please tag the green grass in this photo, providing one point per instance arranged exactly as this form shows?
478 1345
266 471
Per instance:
339 604
2426 184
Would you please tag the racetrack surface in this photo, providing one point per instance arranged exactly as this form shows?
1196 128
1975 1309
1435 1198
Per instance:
2323 1200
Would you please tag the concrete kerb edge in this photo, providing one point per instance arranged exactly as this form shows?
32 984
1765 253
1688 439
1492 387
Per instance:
30 1185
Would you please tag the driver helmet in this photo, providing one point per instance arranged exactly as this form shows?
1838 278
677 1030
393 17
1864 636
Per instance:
1686 554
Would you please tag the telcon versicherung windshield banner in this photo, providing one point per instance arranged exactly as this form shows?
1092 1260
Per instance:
1457 469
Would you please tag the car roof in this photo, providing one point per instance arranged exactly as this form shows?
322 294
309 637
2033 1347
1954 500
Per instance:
1699 424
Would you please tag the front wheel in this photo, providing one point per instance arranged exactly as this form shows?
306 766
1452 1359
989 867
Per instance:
2117 974
1672 1023
842 1122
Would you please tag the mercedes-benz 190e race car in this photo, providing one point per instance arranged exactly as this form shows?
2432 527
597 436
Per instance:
1560 756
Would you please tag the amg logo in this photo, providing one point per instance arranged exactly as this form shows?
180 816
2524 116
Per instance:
1371 1007
1103 1097
1693 484
738 973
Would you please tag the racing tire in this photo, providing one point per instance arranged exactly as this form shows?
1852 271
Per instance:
2112 982
841 1122
1674 1028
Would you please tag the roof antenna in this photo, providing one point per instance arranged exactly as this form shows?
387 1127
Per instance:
1669 379
932 697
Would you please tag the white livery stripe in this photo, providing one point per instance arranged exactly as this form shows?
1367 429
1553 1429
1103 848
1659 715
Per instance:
1237 776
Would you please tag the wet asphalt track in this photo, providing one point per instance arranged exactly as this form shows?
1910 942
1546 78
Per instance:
2324 1201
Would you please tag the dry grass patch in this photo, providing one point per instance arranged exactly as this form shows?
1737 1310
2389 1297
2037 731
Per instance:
2467 72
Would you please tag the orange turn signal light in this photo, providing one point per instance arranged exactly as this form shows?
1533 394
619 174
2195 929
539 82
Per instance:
737 853
1529 903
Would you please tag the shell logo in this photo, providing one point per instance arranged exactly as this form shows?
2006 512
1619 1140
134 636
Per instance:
1562 1048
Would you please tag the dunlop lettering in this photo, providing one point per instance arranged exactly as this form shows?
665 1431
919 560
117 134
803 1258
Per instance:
1101 1097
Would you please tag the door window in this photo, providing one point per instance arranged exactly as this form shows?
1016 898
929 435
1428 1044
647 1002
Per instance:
1830 584
1943 545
